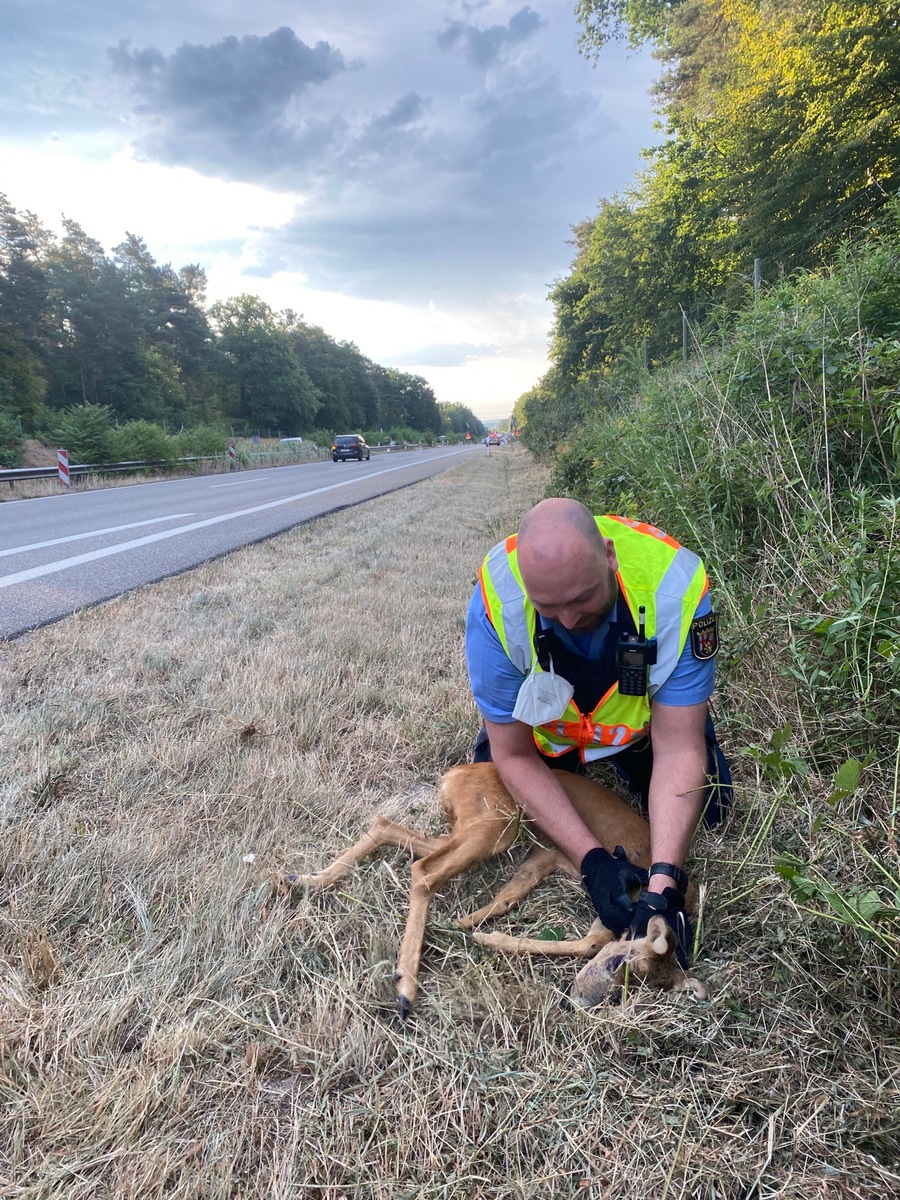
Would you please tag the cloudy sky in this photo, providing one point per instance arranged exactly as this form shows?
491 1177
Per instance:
404 174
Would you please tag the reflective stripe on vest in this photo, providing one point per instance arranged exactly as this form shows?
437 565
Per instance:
654 571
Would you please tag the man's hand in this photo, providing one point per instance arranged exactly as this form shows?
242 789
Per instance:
669 905
609 879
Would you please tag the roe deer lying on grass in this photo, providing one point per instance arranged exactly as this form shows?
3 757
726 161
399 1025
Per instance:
483 820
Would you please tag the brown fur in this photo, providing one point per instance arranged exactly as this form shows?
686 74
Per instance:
483 820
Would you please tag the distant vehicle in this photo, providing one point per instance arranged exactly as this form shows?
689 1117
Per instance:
492 440
350 445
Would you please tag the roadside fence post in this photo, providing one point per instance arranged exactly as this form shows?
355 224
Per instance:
232 456
62 465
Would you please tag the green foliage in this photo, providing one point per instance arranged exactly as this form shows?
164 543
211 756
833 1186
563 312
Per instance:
87 431
458 419
609 20
201 441
81 327
774 452
814 167
399 434
142 441
551 414
23 386
10 438
270 388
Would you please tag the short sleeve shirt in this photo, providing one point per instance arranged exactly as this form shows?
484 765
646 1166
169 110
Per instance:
495 681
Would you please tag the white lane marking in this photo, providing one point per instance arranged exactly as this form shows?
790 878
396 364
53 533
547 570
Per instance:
75 537
93 555
237 482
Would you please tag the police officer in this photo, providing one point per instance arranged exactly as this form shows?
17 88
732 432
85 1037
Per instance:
589 637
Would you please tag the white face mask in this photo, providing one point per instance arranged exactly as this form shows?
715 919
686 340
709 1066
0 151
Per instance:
542 697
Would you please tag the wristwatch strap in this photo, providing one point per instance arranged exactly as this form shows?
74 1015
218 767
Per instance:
676 873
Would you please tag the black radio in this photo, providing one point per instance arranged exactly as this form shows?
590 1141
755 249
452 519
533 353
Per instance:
635 655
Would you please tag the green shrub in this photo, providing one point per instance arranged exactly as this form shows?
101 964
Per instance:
86 431
142 441
202 441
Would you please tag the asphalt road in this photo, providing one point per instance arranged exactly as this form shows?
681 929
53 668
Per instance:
62 553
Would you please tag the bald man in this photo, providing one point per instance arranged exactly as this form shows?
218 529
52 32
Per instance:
593 637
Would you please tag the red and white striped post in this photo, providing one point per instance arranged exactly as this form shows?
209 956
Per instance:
232 456
62 464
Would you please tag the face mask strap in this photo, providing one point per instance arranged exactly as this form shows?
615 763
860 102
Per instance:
542 645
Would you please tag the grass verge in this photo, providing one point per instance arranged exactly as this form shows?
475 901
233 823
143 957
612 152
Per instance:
170 1026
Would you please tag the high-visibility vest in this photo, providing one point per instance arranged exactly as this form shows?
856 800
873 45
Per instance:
654 572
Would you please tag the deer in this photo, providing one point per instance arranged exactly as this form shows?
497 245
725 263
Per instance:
483 821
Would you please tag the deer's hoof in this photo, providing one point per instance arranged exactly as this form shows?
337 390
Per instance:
404 1007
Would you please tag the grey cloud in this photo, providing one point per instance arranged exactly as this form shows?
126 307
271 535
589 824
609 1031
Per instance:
247 79
482 46
444 253
437 213
231 107
406 111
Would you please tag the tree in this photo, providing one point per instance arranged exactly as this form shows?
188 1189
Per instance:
23 311
420 407
10 437
610 20
271 388
169 304
456 418
23 281
96 326
552 413
782 139
22 384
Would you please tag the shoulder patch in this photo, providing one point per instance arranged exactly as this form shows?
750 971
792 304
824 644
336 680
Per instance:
705 636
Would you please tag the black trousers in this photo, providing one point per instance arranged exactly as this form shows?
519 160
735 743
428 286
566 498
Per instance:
635 765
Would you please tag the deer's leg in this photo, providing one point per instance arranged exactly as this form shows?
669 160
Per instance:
537 865
382 832
594 940
428 874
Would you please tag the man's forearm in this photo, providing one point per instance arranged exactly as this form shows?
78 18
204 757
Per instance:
537 791
677 789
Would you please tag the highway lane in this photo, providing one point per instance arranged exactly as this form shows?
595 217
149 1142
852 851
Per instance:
62 553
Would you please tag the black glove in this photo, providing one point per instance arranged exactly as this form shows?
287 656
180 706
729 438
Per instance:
670 906
609 879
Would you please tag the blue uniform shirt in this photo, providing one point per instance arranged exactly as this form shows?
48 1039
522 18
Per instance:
495 681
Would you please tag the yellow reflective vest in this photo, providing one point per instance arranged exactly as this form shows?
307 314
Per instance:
654 572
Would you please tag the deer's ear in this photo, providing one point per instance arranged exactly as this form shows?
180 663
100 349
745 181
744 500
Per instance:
660 938
690 984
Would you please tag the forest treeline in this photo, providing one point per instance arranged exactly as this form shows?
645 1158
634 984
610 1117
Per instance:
90 341
779 140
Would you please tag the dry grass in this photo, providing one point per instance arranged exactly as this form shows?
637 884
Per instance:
174 1027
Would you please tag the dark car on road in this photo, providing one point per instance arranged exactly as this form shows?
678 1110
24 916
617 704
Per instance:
349 445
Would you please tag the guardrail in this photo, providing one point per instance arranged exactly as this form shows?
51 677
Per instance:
12 474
